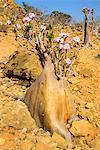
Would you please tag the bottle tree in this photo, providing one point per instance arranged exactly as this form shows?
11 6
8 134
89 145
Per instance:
88 30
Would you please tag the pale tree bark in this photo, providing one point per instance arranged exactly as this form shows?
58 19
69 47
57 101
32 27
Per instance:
88 31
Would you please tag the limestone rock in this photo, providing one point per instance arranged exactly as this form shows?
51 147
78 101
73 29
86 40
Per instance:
26 145
44 139
15 114
2 141
83 128
42 146
97 145
23 65
62 143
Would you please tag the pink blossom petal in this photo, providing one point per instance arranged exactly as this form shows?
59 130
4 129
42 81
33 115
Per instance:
31 15
42 27
68 61
26 19
18 26
57 39
76 39
61 40
63 34
60 46
1 23
8 22
66 46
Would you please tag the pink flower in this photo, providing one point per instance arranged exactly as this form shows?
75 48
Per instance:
26 19
42 27
34 32
60 46
66 46
8 22
57 39
61 40
68 61
76 39
66 35
18 26
31 15
0 22
63 34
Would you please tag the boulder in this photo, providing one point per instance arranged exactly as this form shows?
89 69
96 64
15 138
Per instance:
97 144
24 65
42 146
15 114
83 128
61 142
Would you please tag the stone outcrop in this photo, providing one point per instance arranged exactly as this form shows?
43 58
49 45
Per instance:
24 65
83 128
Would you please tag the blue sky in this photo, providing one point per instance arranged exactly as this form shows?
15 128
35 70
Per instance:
72 7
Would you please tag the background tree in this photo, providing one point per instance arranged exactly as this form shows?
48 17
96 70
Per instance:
32 9
88 30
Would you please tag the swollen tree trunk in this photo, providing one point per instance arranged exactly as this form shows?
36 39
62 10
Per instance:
50 103
88 31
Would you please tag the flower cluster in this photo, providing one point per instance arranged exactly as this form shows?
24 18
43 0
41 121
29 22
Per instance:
64 46
57 39
42 27
18 26
29 17
65 43
0 22
9 22
61 40
26 19
62 36
68 61
76 39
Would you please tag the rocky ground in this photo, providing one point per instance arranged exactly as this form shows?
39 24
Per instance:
18 130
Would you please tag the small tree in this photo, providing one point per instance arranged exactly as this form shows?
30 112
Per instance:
88 31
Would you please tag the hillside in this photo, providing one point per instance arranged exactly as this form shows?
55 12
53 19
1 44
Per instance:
18 130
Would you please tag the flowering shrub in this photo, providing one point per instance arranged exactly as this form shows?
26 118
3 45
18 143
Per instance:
64 57
57 48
